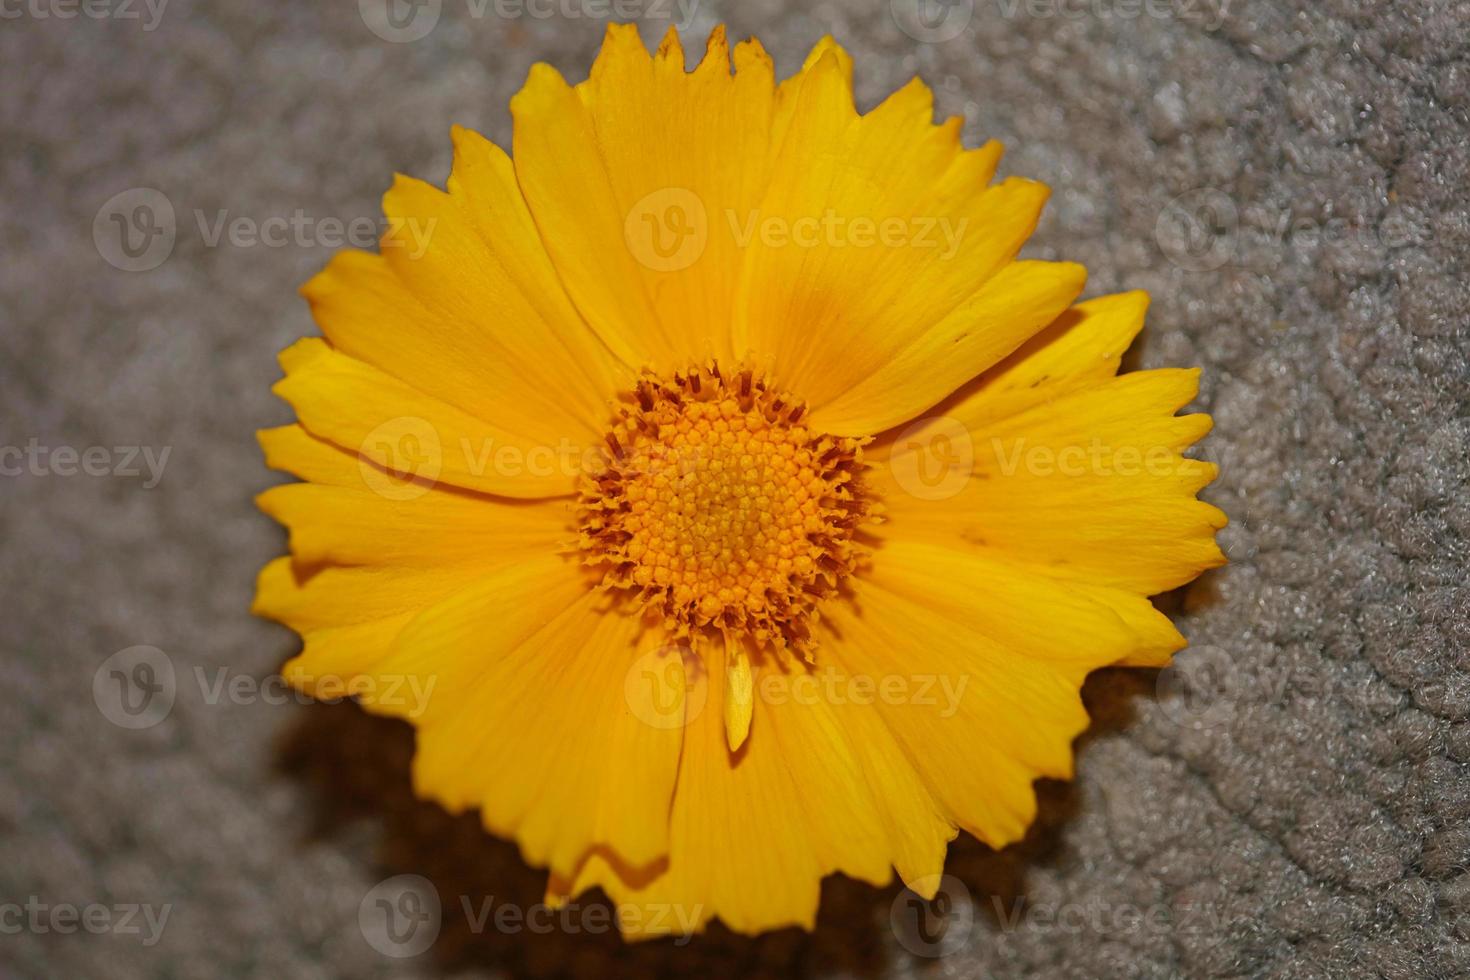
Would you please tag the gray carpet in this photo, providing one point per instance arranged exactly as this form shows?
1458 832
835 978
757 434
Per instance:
1294 801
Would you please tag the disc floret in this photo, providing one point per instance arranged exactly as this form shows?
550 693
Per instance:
720 509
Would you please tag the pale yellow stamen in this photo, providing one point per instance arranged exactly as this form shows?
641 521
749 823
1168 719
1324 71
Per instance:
739 697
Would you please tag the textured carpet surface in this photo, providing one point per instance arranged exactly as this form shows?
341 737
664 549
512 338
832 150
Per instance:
1288 180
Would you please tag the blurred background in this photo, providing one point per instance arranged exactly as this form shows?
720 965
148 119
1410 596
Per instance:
1288 179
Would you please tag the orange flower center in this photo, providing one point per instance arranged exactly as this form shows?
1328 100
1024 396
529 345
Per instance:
720 509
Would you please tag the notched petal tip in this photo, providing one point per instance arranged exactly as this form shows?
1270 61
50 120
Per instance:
824 48
300 354
671 49
1133 300
622 43
468 141
977 167
925 886
718 41
542 92
275 579
1070 276
751 54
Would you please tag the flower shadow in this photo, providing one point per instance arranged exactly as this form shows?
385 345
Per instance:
355 767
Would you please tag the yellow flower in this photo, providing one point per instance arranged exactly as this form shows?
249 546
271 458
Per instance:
716 493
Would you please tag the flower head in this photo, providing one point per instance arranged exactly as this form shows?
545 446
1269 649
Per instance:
746 510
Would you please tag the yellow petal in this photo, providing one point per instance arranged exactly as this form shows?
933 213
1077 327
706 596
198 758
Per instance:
819 786
1016 302
423 438
348 617
483 181
861 259
517 680
478 350
364 565
498 609
627 177
657 217
870 252
353 513
437 546
1084 344
1155 638
500 312
1089 486
534 726
355 526
291 449
995 657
